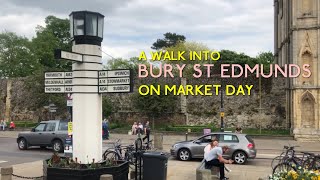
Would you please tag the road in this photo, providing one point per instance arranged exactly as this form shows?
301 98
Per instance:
11 155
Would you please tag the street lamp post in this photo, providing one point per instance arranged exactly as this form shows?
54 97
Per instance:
221 111
221 108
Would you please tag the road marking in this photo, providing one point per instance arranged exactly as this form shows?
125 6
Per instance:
271 155
3 161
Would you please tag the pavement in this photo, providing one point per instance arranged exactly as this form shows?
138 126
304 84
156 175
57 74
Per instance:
179 170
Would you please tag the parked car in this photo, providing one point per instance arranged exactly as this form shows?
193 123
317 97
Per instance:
241 146
51 133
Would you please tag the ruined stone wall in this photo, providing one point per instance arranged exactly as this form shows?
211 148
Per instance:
239 110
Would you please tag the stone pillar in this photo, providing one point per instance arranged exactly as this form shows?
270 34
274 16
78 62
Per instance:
6 173
87 105
158 141
106 177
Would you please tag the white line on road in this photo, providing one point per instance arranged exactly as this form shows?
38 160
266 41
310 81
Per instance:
271 155
3 161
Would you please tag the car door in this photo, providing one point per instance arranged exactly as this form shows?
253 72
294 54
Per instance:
229 140
35 136
49 134
62 132
199 145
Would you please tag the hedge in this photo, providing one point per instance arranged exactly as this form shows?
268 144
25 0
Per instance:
185 128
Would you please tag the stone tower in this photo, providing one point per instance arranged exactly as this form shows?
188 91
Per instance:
297 35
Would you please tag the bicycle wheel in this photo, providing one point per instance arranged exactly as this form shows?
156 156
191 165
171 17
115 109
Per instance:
283 167
276 160
111 155
312 164
129 156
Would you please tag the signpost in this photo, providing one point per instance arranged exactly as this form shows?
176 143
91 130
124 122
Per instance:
109 81
115 81
86 82
58 82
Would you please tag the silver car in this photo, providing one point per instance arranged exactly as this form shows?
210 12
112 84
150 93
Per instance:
51 133
241 146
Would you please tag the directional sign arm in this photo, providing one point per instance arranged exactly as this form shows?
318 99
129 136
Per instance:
59 54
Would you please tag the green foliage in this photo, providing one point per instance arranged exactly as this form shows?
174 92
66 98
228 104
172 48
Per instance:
169 40
252 131
117 125
25 124
107 106
16 58
184 128
68 163
187 47
154 105
120 63
55 35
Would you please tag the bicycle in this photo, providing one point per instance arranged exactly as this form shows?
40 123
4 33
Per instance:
116 153
148 146
290 161
312 162
287 154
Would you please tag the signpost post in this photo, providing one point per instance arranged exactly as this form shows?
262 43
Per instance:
86 82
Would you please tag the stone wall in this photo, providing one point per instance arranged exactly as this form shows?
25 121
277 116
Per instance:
239 110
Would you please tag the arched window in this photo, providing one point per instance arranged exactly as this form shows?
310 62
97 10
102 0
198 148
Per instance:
307 59
307 110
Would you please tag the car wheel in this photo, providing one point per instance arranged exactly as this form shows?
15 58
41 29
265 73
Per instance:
22 144
239 157
57 146
184 154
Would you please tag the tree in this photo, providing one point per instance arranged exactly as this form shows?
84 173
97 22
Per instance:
55 35
107 107
154 105
188 47
170 39
120 63
16 60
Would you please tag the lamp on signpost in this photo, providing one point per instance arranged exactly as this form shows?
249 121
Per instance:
86 27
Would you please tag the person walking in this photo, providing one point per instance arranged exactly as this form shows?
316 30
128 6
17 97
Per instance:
105 134
147 132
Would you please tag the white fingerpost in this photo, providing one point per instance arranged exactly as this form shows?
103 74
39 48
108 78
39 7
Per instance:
87 33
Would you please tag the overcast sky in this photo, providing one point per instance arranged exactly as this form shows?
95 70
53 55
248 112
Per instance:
131 26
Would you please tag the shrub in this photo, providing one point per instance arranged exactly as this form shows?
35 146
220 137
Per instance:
185 128
300 174
25 124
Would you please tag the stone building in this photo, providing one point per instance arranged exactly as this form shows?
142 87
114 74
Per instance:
297 35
